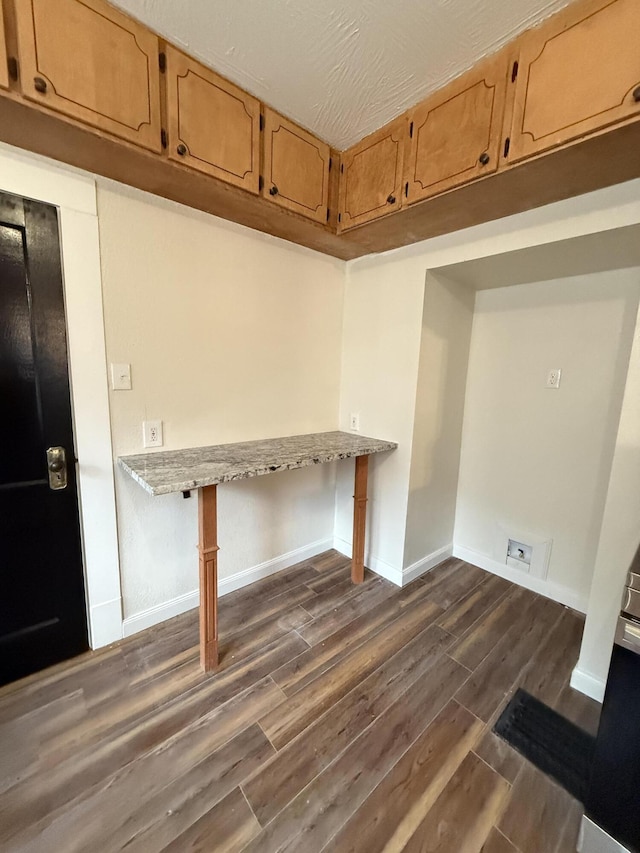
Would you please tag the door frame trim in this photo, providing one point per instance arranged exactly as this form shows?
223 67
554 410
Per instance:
74 194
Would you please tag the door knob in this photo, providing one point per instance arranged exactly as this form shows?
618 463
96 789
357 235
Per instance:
274 190
181 149
40 84
57 468
391 199
484 158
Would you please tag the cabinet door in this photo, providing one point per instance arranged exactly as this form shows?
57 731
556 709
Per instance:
296 167
576 74
371 176
455 135
4 70
89 61
213 125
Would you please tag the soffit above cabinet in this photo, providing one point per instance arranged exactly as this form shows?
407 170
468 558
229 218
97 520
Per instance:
341 68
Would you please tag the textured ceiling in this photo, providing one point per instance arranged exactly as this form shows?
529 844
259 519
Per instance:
341 68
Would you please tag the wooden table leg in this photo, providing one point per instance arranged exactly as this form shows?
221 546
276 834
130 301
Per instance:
359 518
208 548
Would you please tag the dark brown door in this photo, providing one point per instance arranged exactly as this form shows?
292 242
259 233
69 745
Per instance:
42 604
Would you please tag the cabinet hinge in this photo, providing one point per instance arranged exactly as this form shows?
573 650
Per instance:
260 182
411 130
163 138
514 71
339 217
261 122
406 190
12 65
330 163
507 145
341 168
162 61
328 214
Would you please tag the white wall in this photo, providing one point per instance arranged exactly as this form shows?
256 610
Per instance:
442 373
619 539
380 353
535 462
381 343
231 336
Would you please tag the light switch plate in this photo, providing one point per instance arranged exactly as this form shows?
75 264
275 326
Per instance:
121 377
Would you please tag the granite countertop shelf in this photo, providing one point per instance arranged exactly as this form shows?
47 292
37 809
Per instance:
168 471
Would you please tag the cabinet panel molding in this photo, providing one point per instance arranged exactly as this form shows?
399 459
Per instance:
213 125
4 68
296 167
577 74
455 134
89 61
371 176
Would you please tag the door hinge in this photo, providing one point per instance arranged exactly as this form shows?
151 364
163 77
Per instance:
411 130
261 122
162 61
406 190
514 71
12 66
163 138
507 145
260 182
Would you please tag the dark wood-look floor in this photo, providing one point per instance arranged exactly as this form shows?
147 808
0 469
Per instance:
343 718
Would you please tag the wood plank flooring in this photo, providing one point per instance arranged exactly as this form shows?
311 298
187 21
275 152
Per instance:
343 718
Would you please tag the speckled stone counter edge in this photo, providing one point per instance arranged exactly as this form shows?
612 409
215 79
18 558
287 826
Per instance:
167 472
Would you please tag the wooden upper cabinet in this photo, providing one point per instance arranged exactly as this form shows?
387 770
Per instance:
213 125
89 61
576 74
4 68
371 176
296 167
456 134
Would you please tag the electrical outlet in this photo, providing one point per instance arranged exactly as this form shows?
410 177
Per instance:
152 433
354 421
553 378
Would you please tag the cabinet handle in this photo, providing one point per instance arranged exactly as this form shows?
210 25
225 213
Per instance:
181 149
636 94
40 84
273 190
484 158
391 199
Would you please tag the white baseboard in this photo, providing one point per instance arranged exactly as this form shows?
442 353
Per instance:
385 570
168 609
397 576
587 684
544 587
105 621
426 564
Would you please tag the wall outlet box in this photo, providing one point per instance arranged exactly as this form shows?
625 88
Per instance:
354 421
522 550
152 433
520 554
553 378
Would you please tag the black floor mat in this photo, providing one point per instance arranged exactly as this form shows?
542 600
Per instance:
555 745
